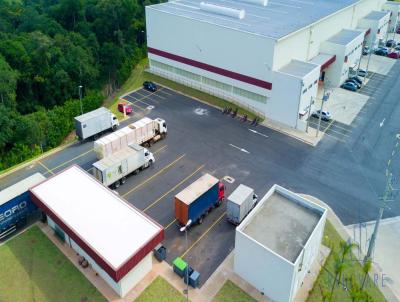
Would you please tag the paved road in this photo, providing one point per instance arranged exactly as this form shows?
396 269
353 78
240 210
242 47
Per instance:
345 171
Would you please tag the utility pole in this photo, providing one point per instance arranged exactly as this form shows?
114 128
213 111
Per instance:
385 199
325 98
309 112
184 229
80 97
369 58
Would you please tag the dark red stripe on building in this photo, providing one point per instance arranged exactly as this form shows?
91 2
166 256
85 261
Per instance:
327 63
210 68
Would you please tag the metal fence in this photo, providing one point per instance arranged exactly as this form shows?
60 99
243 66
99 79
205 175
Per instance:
230 97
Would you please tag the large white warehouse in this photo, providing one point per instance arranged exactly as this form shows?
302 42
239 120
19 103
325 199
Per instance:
115 238
270 56
277 243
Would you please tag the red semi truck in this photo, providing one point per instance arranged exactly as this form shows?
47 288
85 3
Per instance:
198 199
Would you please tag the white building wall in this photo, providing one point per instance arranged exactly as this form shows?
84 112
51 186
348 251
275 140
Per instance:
233 50
338 71
265 270
310 89
125 284
284 103
394 8
310 252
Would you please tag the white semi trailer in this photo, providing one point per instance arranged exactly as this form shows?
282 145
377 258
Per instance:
93 123
143 132
240 203
113 170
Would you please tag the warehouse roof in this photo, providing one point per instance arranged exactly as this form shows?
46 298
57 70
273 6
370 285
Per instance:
376 15
196 189
115 234
282 222
277 19
20 187
346 36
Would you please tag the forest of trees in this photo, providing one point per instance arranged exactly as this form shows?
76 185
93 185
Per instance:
48 48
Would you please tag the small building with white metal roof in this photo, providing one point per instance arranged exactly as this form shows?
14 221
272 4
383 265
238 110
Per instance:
277 243
238 50
114 237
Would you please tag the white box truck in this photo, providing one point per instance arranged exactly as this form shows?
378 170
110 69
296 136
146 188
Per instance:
240 203
143 132
113 170
95 122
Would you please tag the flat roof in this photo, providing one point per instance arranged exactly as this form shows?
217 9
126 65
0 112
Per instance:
110 230
298 68
20 187
196 189
345 36
277 19
282 224
376 15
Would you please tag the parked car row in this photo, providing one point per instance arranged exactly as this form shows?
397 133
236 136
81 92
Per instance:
353 83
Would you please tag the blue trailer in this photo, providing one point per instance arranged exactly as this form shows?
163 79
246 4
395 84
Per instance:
194 202
16 204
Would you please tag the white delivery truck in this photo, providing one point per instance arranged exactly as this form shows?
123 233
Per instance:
240 203
95 122
143 132
113 170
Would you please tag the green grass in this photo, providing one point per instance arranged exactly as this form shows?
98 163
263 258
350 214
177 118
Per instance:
139 75
230 292
332 239
160 291
32 268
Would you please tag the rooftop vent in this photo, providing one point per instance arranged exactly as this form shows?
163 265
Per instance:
223 10
258 2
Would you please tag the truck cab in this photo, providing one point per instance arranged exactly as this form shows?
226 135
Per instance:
161 126
114 122
149 157
221 193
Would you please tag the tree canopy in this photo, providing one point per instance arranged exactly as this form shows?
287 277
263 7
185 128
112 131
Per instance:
48 48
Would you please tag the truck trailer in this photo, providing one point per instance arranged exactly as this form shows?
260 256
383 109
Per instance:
16 205
143 132
240 203
198 199
113 170
95 122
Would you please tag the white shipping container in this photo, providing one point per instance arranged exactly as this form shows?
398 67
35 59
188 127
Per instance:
138 133
240 203
121 164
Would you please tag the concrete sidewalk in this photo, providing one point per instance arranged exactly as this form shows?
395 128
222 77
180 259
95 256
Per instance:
309 137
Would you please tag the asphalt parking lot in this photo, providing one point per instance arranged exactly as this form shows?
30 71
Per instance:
342 170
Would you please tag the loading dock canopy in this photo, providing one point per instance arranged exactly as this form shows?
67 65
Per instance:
345 36
298 69
376 15
323 59
115 234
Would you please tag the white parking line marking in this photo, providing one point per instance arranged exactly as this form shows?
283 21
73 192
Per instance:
259 133
241 149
